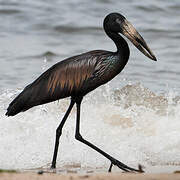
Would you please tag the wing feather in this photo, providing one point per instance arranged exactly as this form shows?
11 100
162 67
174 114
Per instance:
71 77
68 78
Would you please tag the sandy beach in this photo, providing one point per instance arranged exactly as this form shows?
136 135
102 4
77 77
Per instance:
100 176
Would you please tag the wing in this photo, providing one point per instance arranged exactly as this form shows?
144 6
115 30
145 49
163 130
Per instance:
66 78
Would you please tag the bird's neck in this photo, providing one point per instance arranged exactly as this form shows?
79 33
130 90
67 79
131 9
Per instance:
121 44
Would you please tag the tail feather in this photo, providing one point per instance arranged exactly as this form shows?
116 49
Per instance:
32 95
19 104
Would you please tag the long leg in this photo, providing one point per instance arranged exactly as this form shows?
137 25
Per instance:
109 170
59 132
80 138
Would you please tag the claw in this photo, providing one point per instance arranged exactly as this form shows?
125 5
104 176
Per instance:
125 167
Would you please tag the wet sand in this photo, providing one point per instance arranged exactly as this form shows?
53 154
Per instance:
76 172
99 176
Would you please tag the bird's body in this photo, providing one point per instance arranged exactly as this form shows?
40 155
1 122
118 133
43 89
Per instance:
75 76
78 75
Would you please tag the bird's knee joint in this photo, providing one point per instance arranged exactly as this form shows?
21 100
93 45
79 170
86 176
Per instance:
78 136
58 132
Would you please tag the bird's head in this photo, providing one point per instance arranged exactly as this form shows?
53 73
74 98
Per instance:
117 23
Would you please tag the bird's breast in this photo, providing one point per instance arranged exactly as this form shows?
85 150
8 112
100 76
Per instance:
113 67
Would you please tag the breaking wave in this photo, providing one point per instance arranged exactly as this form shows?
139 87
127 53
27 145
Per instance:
133 124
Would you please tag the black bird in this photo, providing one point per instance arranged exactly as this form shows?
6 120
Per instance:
78 75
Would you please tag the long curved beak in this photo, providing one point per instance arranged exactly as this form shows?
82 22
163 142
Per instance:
131 33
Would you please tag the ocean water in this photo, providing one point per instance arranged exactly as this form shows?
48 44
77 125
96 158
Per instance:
135 117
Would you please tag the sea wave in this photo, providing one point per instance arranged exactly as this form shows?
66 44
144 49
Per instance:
133 124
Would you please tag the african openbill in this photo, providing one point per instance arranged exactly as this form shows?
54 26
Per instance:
78 75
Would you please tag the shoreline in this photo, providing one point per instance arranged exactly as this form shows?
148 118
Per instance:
72 173
93 176
75 172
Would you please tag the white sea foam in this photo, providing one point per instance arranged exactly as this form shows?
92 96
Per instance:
132 124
